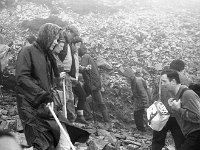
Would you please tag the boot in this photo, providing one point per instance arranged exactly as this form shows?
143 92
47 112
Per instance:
88 112
80 118
104 112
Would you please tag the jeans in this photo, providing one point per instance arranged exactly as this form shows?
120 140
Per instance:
192 141
158 141
139 119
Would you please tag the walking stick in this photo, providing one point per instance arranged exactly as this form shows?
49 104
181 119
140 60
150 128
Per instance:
50 105
92 96
64 99
159 89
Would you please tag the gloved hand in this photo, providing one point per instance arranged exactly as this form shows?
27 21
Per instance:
44 98
88 67
48 99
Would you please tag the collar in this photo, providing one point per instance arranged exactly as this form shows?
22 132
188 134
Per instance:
180 88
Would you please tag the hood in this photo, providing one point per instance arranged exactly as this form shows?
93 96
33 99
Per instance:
47 34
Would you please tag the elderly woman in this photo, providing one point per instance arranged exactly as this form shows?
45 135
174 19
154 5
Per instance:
35 69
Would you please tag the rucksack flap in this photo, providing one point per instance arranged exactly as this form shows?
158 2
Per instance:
196 88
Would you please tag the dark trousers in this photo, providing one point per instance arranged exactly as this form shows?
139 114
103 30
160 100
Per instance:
158 141
139 119
192 141
96 94
80 93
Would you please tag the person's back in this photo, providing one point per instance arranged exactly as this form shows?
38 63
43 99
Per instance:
140 98
141 93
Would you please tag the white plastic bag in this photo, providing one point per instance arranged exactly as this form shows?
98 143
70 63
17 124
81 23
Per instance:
157 116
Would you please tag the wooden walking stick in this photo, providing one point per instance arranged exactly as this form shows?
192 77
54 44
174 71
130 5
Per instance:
50 106
159 89
64 98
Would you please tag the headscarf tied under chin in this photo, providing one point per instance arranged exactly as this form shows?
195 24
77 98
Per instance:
47 35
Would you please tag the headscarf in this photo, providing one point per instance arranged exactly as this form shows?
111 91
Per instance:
47 34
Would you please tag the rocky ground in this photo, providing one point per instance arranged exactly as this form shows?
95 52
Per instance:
119 136
133 33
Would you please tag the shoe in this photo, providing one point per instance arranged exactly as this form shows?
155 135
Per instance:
139 132
89 117
81 119
104 111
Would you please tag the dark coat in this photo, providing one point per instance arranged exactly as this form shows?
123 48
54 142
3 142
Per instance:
140 93
33 83
91 77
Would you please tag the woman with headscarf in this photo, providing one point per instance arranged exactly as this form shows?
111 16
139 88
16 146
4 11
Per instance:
35 69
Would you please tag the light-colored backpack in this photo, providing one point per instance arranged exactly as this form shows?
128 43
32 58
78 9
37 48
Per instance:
157 114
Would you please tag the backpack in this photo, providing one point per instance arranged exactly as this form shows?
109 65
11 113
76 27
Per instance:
195 87
157 116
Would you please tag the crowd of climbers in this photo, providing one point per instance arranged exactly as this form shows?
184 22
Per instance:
57 57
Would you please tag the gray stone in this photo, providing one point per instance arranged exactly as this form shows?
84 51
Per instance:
109 147
108 136
132 142
12 112
4 112
4 125
19 125
101 62
132 147
93 146
4 117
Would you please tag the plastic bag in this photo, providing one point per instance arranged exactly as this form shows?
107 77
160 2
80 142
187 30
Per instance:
157 116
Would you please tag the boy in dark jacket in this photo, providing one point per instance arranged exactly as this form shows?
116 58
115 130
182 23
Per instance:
92 80
141 99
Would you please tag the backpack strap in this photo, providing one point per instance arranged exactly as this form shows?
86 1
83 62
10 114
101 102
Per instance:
181 94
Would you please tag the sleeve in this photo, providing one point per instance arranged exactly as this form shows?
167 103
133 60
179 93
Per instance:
190 108
26 84
83 63
85 60
142 91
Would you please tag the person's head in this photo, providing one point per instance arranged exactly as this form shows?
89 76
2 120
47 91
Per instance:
8 141
59 47
48 35
170 79
82 50
177 65
71 33
138 72
61 43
